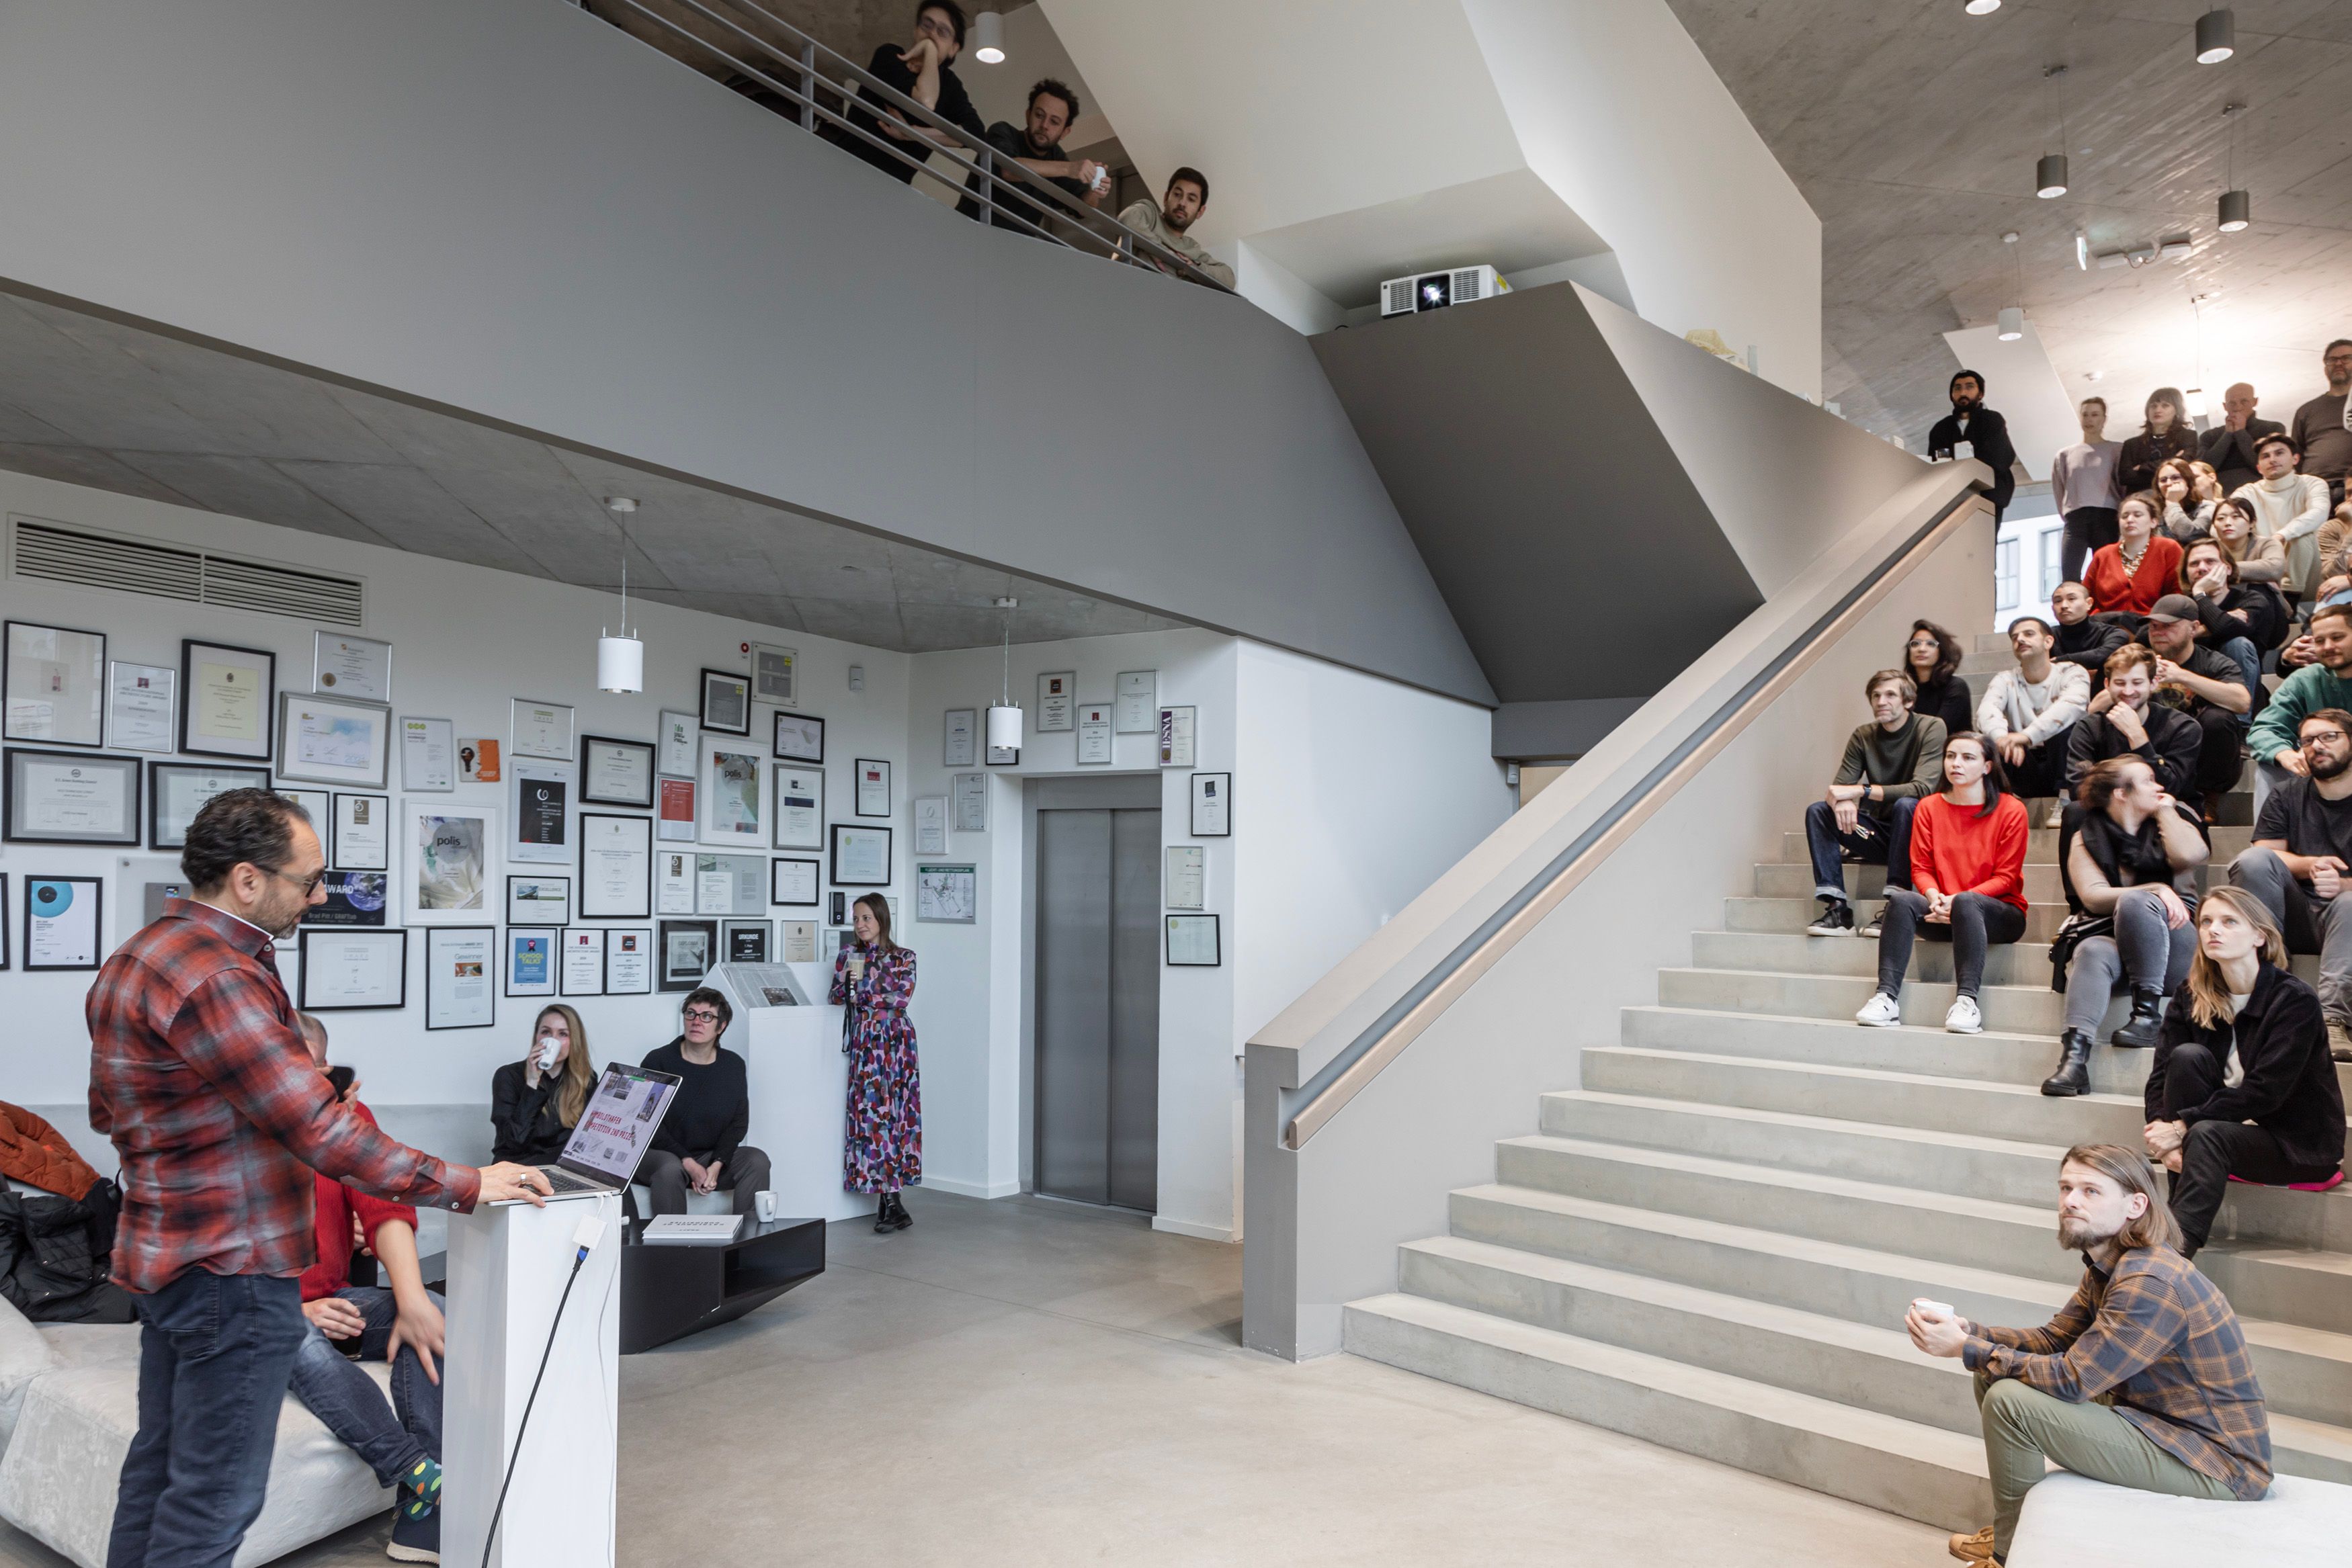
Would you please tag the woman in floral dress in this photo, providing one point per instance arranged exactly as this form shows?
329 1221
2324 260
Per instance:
882 1150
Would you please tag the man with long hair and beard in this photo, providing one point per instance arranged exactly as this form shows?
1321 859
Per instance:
2142 1380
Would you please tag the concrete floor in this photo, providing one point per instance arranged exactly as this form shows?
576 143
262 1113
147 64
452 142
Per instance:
1030 1382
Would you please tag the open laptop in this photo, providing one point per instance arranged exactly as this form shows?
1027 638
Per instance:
615 1129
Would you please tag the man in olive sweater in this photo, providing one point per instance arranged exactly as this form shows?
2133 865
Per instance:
1890 765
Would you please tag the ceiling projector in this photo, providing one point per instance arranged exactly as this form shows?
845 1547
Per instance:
1436 290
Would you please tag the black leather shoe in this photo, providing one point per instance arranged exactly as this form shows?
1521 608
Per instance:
899 1218
2138 1031
882 1225
2074 1074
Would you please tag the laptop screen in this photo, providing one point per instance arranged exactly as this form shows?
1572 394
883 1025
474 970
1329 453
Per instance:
617 1126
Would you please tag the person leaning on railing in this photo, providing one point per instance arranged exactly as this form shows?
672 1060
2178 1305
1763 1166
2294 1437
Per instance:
1036 145
924 71
1180 207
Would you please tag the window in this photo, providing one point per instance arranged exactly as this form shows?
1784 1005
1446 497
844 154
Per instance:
2004 574
2053 541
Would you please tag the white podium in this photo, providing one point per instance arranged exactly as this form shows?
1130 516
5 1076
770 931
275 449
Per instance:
507 1270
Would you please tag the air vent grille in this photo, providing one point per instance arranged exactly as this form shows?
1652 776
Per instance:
1465 286
52 552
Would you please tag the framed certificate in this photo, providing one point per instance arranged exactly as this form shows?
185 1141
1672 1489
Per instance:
1058 695
539 803
1192 941
861 856
353 971
969 804
616 866
726 702
176 791
960 746
316 805
799 808
62 922
354 898
1176 737
334 740
531 962
800 738
930 824
1137 701
458 989
351 666
540 728
226 696
534 900
873 787
1212 805
428 755
1094 735
687 950
452 851
56 681
734 803
362 833
72 798
775 675
727 884
745 941
628 961
673 747
142 706
616 772
1186 883
674 885
675 816
793 881
580 962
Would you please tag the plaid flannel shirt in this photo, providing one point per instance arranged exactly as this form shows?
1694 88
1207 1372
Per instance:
198 1072
2155 1340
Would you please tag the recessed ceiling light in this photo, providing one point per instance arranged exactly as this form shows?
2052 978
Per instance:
2082 251
1982 7
2092 375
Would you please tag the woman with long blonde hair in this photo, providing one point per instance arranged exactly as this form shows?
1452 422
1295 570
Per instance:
536 1102
2243 1084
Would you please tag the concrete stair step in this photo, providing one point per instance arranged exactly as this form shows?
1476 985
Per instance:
2002 1057
1791 916
1880 1461
2013 964
2041 844
1794 879
2018 1010
2307 1372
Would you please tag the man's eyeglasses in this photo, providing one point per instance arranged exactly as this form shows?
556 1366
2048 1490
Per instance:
2317 735
309 884
700 1015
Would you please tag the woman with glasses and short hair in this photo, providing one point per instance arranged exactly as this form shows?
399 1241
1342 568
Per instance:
700 1146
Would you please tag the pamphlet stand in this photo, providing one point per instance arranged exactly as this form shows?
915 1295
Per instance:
508 1265
800 1091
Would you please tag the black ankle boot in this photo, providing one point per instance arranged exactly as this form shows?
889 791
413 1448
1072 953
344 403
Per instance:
2138 1031
2074 1074
882 1226
899 1218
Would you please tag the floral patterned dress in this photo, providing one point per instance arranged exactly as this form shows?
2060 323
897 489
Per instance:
882 1149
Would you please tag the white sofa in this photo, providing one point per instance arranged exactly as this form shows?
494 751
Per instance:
2070 1522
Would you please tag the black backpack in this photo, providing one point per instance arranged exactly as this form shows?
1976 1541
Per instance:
55 1256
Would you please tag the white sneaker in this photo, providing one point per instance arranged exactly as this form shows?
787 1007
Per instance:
2057 813
1882 1011
1964 1017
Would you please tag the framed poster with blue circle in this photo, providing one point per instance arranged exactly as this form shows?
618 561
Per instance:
530 961
62 922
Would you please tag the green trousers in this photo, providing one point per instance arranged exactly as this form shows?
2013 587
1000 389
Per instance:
2024 1426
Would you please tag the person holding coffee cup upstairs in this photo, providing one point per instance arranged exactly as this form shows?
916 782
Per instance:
882 1148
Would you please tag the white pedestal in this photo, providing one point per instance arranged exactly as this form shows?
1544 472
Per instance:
800 1102
507 1269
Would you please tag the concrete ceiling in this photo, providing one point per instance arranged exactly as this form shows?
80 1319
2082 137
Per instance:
1913 128
94 402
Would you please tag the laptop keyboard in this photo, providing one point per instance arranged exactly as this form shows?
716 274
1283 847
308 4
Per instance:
562 1180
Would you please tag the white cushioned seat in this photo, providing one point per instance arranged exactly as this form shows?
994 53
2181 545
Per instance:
2070 1522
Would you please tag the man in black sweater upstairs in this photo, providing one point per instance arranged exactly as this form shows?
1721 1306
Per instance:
700 1145
1973 430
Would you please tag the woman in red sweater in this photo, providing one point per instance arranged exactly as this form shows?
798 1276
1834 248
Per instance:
2141 566
1967 884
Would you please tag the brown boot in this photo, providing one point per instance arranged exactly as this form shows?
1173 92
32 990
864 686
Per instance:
1977 1548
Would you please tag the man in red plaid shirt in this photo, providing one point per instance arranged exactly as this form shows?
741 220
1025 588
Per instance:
200 1076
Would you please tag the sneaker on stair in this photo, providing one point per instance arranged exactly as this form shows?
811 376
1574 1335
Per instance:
1882 1011
1976 1548
1836 919
1963 1018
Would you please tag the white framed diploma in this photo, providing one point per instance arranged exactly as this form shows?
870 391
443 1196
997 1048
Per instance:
56 684
580 972
428 755
1137 701
629 961
354 967
1094 735
142 703
616 866
1187 879
351 666
459 991
930 825
1057 697
542 728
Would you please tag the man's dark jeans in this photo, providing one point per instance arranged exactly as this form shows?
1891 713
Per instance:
214 1351
1873 844
390 1436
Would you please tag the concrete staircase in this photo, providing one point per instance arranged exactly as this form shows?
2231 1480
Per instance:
1710 1243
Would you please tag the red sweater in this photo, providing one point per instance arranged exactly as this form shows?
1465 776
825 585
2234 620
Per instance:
335 1204
2159 574
1955 851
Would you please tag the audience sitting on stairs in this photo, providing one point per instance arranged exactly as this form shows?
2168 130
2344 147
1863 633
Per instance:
2124 721
1967 886
2322 681
2300 865
2142 1380
2127 859
1932 659
2028 712
2082 640
2127 577
2242 1085
2208 687
1889 765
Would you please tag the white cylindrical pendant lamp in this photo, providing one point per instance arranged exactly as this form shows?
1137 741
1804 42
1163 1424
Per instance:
1003 728
988 38
2237 211
2217 37
2050 175
620 664
2012 323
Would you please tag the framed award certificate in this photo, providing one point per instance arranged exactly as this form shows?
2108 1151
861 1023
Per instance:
675 746
226 696
579 966
960 747
531 962
793 881
616 772
362 833
539 900
142 706
428 755
861 856
541 729
726 702
688 949
56 682
62 922
176 791
539 803
458 989
1057 694
629 962
452 851
799 808
616 866
930 824
350 969
1212 805
351 666
1192 941
734 805
72 798
334 740
873 787
800 738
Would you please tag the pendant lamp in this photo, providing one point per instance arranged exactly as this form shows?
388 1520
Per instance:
988 38
1003 718
620 660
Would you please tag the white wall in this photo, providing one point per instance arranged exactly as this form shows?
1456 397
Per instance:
465 640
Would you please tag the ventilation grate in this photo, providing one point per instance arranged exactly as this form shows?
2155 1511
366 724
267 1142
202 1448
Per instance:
1465 286
52 552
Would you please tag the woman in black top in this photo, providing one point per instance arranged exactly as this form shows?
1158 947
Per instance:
536 1102
2241 1016
1932 659
2167 434
700 1148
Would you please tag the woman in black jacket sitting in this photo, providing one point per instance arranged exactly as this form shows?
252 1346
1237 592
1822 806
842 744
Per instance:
2242 1084
1932 659
536 1102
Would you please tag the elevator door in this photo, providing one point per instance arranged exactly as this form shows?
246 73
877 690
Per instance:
1097 1079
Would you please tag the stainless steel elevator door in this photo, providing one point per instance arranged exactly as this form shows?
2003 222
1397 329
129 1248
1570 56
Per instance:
1097 1073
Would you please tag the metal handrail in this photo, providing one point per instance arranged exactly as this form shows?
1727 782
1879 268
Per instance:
1348 1073
987 166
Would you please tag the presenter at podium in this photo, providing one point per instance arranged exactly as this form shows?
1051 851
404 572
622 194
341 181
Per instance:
700 1146
200 1076
882 1147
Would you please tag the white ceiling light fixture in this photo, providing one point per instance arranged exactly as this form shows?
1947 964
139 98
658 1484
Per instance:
620 660
1981 7
2050 173
2217 37
2012 316
988 38
2012 323
1003 718
2236 209
2082 251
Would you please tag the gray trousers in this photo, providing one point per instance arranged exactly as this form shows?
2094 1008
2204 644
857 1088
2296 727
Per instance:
2142 952
2321 925
744 1176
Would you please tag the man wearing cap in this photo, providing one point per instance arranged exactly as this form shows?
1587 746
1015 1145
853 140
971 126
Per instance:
2203 683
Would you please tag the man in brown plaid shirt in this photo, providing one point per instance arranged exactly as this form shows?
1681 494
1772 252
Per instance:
2142 1380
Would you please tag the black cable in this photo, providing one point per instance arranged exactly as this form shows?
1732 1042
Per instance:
491 1536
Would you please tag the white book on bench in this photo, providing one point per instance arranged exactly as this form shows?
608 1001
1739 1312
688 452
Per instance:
692 1229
